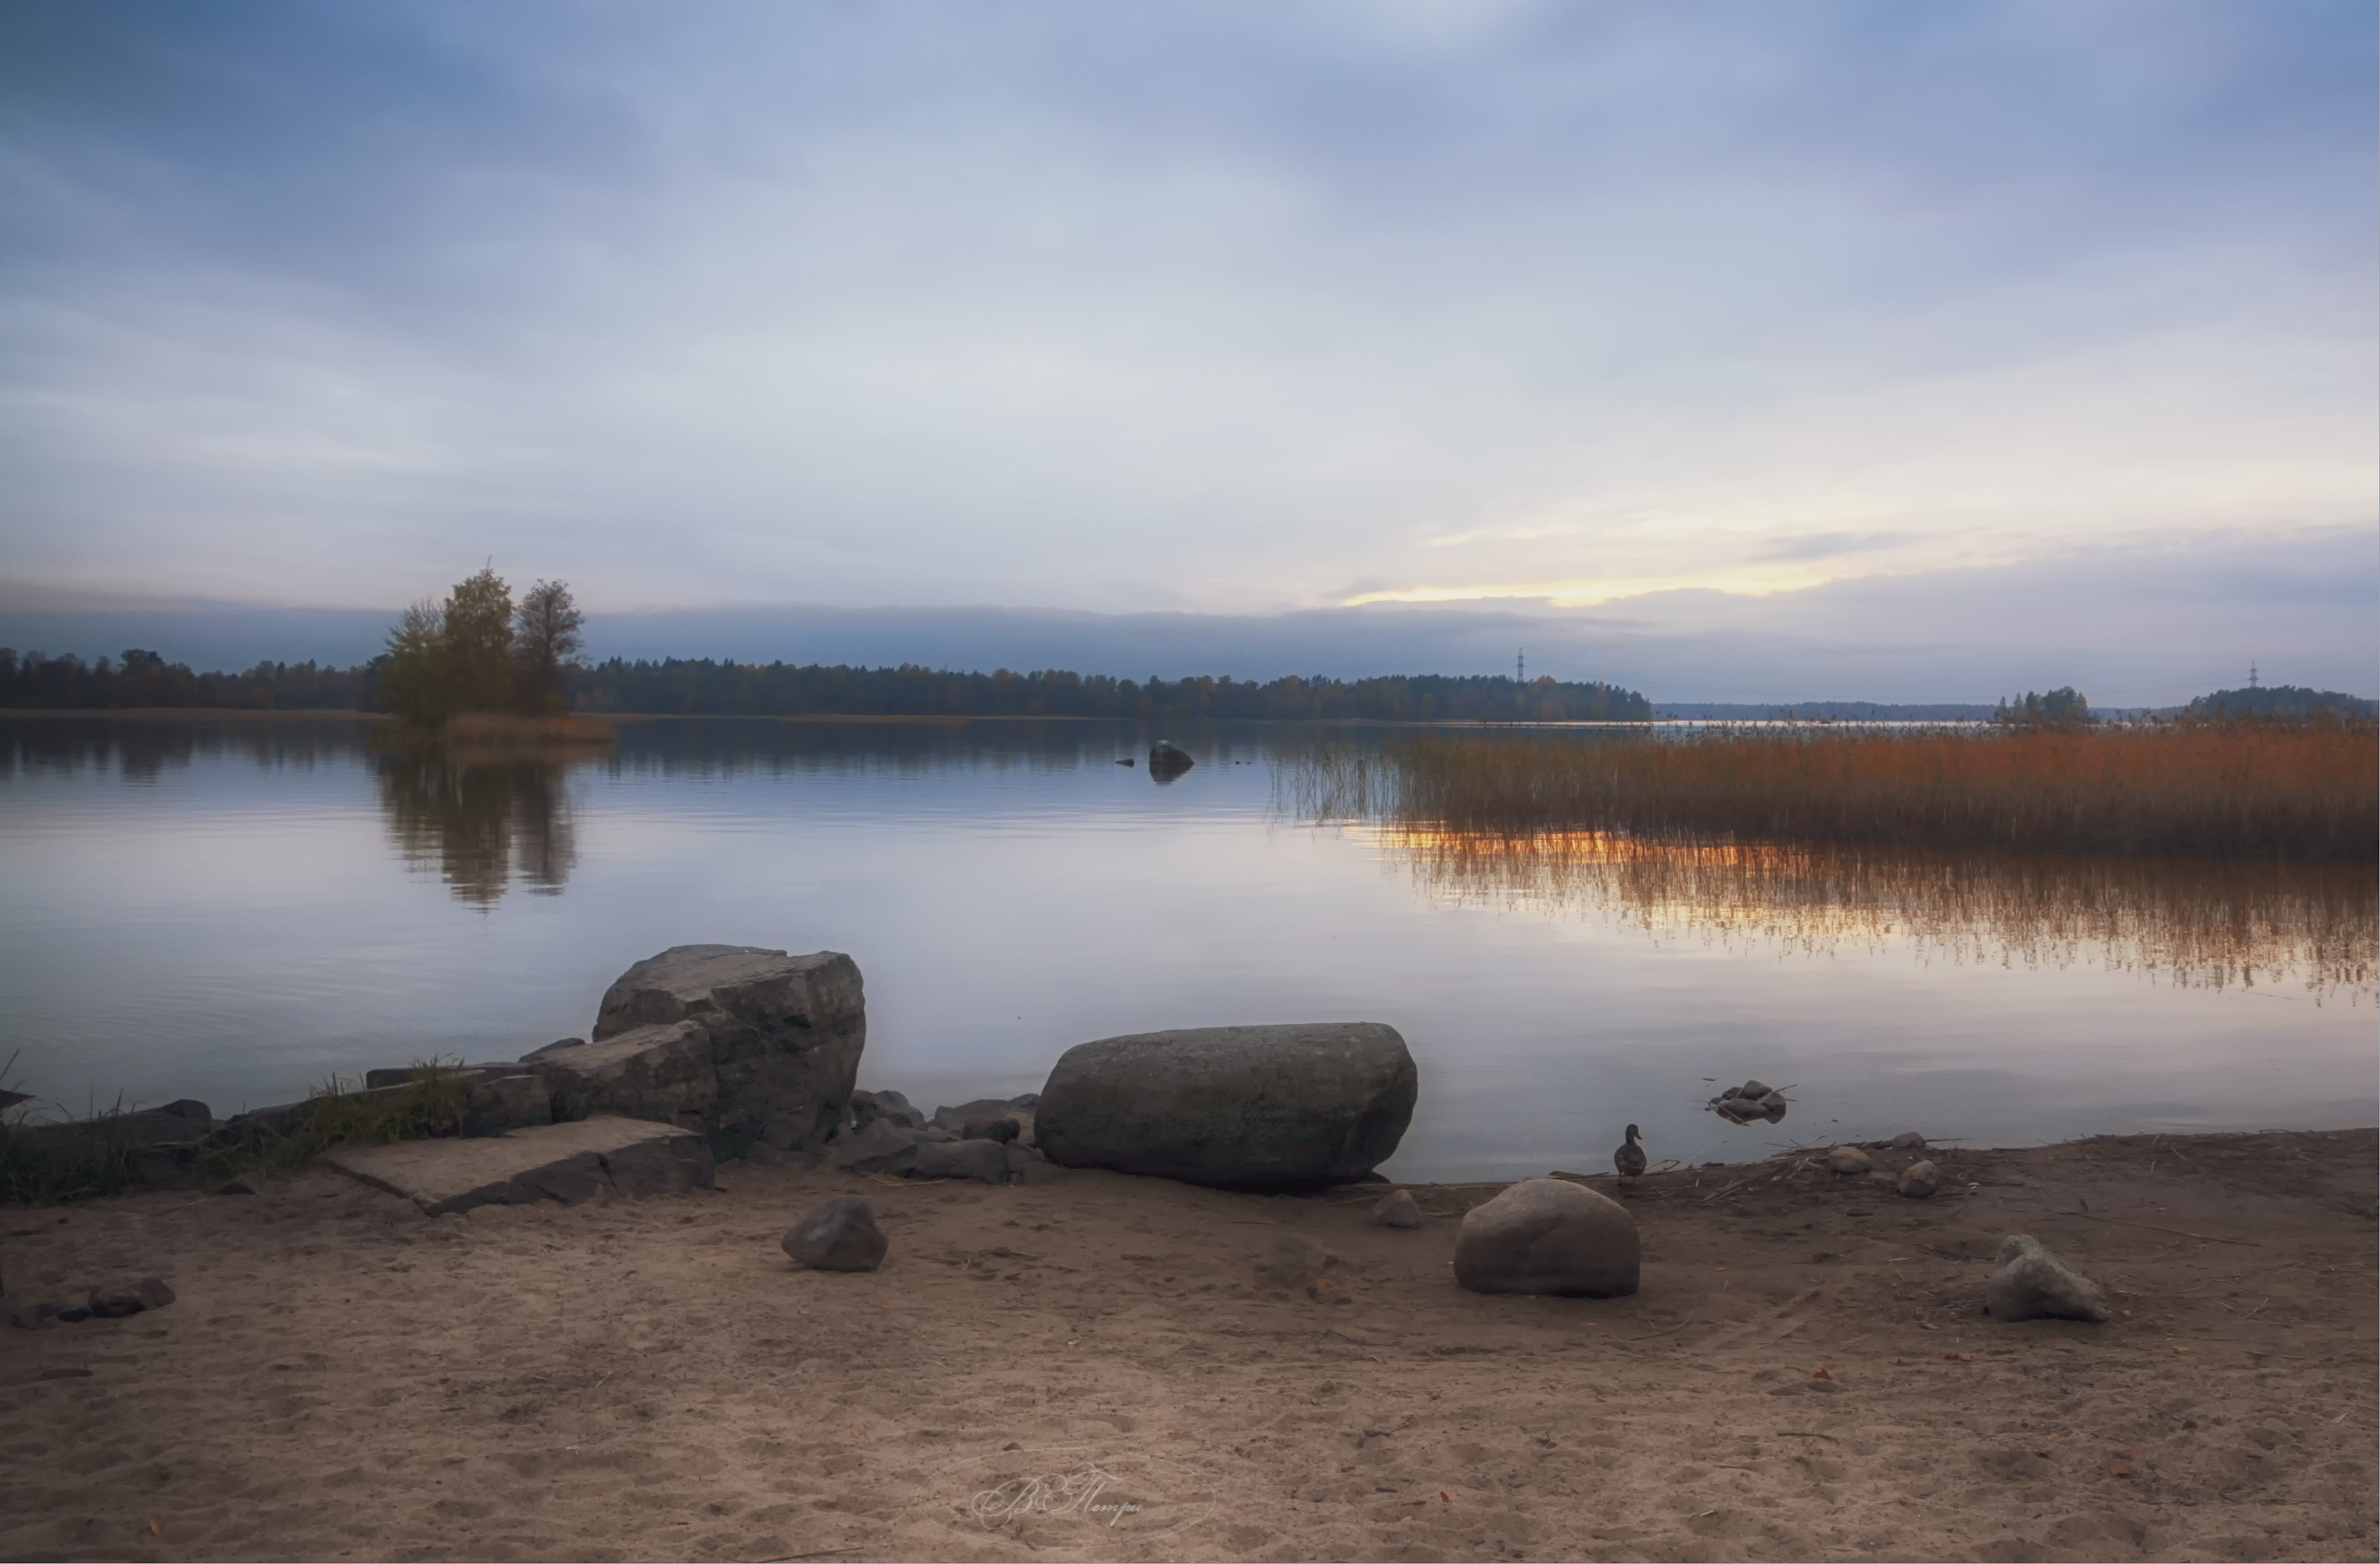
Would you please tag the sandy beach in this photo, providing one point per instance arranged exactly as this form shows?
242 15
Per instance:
1806 1374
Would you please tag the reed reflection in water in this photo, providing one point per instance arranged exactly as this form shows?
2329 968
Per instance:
480 823
2193 923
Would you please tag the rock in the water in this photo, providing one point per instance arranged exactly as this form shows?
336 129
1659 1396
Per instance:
1398 1210
984 1160
1849 1160
1908 1140
786 1033
1165 762
1548 1235
882 1147
125 1299
1918 1181
840 1235
1232 1106
892 1106
1754 1100
1296 1264
2031 1283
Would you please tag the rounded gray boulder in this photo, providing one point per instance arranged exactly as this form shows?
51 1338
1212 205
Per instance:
1549 1236
840 1235
1232 1106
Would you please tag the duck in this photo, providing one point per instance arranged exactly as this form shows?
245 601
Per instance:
1630 1158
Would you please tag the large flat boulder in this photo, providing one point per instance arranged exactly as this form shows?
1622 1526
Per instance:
661 1072
1232 1106
570 1162
786 1034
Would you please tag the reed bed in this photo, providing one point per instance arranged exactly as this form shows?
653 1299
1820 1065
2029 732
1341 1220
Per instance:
2214 923
2307 792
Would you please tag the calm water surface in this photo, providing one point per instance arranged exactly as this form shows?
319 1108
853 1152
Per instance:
234 911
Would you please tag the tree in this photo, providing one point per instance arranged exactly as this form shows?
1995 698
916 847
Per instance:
2062 708
545 647
476 649
412 682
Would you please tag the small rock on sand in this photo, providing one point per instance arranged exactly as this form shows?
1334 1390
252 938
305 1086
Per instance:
122 1300
2032 1282
1919 1180
1849 1160
1549 1236
1296 1263
840 1235
1398 1210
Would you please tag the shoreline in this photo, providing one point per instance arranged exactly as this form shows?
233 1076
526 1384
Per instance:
344 1378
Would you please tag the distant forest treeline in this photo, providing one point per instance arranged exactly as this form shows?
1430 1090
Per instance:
678 688
704 687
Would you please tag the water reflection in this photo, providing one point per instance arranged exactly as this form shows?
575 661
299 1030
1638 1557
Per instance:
141 750
480 824
2193 923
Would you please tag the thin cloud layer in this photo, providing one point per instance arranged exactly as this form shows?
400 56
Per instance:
1231 310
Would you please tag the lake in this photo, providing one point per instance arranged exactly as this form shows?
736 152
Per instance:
237 909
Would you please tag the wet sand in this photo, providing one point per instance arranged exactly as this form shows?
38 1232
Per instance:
342 1378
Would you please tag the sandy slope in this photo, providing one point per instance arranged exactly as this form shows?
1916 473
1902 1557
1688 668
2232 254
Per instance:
343 1378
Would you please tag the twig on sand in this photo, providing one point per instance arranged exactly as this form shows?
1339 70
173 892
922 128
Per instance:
1797 1433
1671 1331
2177 1232
822 1553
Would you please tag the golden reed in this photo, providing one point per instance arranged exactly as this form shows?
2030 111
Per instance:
2305 791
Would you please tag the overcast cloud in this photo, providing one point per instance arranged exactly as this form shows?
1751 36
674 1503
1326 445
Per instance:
1878 319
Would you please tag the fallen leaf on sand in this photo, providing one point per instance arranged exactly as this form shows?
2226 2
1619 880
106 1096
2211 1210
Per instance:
1959 1357
1445 1497
1822 1374
2120 1469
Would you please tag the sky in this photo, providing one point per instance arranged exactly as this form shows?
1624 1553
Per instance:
1769 351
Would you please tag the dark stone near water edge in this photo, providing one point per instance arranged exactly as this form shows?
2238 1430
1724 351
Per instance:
1165 762
892 1106
785 1034
882 1147
2031 1283
661 1072
1398 1210
1753 1101
1549 1236
1232 1106
840 1235
983 1159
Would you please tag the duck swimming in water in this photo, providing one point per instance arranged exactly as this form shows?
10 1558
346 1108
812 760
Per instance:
1630 1158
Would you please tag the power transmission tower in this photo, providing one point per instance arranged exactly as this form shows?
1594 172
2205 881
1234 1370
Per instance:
2252 675
1520 667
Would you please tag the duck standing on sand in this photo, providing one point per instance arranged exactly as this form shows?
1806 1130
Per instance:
1630 1158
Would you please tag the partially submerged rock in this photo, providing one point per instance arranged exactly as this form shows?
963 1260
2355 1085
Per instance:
1232 1106
1754 1101
785 1034
1399 1209
1918 1181
2031 1283
569 1162
1549 1236
840 1235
